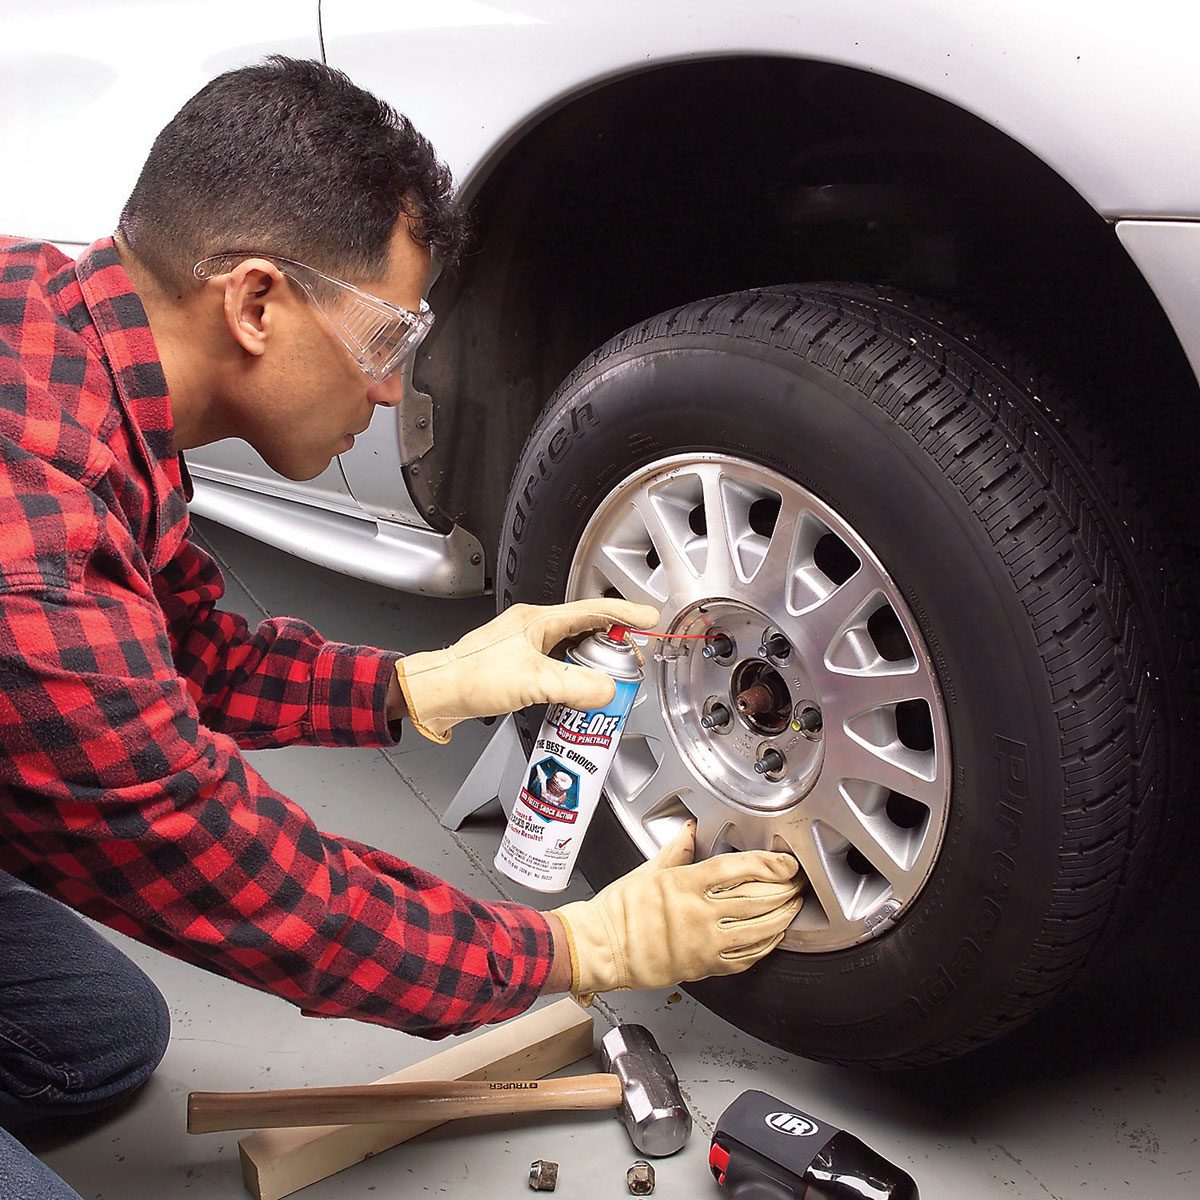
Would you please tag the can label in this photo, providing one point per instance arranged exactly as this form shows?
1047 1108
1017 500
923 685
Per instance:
561 791
596 728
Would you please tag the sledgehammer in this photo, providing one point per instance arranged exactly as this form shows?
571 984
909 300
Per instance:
640 1081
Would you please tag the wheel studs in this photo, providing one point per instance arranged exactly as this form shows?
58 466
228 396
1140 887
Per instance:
807 720
769 762
757 697
775 646
718 645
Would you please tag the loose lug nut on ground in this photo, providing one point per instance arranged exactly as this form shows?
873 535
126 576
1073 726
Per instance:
543 1175
640 1178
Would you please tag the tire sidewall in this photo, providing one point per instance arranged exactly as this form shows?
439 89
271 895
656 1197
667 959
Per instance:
963 940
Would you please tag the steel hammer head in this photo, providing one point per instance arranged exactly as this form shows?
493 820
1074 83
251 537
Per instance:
652 1104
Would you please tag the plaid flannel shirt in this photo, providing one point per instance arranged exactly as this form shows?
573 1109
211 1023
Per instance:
125 695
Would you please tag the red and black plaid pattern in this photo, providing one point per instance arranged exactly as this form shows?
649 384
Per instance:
126 696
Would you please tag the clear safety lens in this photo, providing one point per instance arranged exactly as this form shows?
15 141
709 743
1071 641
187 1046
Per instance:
379 335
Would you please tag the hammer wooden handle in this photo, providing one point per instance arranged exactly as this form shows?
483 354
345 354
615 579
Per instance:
209 1112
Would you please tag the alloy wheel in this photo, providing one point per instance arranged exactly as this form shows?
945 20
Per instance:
801 714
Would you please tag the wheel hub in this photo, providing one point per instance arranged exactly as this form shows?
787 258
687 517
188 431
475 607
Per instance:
760 698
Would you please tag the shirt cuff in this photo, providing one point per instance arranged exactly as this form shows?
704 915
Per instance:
527 959
348 696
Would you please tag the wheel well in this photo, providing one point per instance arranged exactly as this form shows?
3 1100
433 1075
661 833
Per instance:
702 178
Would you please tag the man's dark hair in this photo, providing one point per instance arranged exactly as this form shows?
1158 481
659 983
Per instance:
291 158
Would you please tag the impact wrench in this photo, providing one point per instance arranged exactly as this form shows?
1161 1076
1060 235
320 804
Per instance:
764 1149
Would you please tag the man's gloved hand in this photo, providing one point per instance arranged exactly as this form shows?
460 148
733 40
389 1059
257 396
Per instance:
503 665
673 920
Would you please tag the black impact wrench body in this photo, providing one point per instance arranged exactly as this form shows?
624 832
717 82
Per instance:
765 1149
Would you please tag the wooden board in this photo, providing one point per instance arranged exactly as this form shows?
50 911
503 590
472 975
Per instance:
278 1162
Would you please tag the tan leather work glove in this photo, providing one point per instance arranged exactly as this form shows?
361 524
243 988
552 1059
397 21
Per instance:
673 920
504 665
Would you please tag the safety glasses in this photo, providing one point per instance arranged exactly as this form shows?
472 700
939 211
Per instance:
379 335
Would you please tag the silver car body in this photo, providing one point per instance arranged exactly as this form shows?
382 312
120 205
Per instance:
1102 93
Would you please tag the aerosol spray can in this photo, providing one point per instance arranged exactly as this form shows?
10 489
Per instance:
561 788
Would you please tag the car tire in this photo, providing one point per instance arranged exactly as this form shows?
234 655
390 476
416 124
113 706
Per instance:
1044 609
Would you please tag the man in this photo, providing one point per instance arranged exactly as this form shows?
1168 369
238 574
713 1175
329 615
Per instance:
265 283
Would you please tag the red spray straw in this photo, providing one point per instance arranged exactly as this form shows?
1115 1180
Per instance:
617 633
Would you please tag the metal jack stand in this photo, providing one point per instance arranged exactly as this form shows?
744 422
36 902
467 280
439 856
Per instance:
496 776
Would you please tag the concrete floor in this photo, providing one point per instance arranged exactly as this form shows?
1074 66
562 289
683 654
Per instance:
1102 1098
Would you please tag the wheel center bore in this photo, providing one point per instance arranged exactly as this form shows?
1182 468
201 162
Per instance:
761 697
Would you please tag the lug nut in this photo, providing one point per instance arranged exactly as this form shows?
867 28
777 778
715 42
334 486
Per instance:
543 1175
717 717
775 646
640 1178
718 645
770 762
808 720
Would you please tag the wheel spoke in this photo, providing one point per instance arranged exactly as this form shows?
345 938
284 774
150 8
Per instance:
848 694
778 566
646 718
719 568
819 627
846 820
712 822
895 767
671 779
669 541
617 567
803 845
745 830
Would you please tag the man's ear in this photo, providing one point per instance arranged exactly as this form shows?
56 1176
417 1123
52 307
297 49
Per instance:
252 290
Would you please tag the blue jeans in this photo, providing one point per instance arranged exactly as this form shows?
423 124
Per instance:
80 1027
